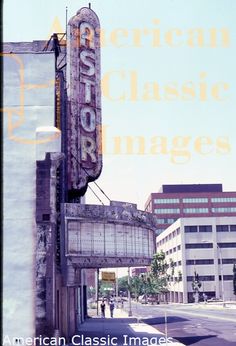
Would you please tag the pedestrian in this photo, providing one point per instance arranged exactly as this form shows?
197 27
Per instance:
103 308
112 306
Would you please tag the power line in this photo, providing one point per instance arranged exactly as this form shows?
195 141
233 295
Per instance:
93 181
95 195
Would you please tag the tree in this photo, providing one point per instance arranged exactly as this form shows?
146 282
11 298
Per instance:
171 277
159 265
196 285
234 278
123 284
91 292
105 288
158 276
137 286
180 276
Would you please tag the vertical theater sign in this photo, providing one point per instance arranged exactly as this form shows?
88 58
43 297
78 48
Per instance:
84 157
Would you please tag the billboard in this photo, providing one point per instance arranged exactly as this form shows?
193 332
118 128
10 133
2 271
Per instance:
108 276
84 100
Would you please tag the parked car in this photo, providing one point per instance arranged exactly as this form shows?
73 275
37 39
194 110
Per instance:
152 300
142 299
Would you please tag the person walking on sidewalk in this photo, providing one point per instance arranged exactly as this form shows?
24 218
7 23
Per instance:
103 308
112 306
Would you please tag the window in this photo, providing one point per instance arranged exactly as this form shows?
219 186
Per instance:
195 210
190 229
200 261
160 221
222 228
205 261
223 199
190 278
199 245
170 251
163 221
178 231
195 200
232 228
207 278
227 260
178 247
206 228
227 245
202 278
174 249
167 211
166 200
224 210
226 277
179 263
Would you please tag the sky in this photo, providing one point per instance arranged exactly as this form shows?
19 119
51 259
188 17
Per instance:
170 71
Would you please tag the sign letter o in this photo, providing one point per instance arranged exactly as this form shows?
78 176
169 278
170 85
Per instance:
88 119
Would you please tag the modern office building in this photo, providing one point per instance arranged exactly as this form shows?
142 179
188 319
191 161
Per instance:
205 245
182 201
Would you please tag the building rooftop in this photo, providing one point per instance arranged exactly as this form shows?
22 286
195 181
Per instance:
185 188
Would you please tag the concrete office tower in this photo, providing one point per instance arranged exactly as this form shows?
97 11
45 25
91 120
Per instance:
205 245
190 200
29 132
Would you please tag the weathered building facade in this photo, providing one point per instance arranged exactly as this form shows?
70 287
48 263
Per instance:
53 139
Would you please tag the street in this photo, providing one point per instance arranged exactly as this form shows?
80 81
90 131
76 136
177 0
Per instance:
202 325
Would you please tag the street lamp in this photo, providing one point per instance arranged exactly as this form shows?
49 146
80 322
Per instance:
129 293
222 276
221 271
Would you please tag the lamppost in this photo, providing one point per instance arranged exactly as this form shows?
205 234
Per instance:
222 276
144 280
221 271
129 294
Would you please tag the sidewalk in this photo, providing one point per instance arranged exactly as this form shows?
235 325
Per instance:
119 331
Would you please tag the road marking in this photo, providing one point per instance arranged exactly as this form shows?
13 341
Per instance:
223 318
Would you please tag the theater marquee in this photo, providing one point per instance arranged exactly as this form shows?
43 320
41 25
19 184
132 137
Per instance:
99 236
84 96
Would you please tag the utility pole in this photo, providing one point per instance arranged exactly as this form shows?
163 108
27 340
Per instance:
97 290
129 294
222 276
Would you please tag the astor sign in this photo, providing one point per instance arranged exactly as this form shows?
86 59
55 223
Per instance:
84 96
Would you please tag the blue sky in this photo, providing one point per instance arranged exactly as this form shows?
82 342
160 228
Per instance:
202 118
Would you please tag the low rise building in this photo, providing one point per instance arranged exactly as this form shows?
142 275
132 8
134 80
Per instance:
205 246
138 271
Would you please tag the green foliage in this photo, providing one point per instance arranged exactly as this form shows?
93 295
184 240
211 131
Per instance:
105 288
91 292
159 265
137 286
172 267
158 275
123 284
180 276
196 284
